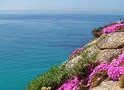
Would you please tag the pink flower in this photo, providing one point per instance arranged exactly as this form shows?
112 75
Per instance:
114 70
75 52
112 27
100 68
70 85
98 78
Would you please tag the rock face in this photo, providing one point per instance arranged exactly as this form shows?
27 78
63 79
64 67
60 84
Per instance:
108 85
100 60
72 62
112 41
107 45
108 54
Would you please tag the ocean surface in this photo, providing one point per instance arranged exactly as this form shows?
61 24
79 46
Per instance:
31 43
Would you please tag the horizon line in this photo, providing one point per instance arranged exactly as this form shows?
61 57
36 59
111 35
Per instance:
59 12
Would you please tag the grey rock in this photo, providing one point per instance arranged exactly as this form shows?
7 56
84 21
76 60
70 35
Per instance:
108 85
108 46
108 54
112 41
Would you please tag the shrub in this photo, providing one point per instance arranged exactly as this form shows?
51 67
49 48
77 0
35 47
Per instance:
52 78
97 32
121 81
122 28
85 65
57 75
98 78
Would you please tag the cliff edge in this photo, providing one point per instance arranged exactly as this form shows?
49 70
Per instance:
97 65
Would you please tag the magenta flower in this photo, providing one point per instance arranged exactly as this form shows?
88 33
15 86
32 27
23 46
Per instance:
70 84
114 70
113 27
75 52
100 68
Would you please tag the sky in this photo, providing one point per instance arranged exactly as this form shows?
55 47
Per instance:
64 5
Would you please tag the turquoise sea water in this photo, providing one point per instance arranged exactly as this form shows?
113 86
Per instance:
31 43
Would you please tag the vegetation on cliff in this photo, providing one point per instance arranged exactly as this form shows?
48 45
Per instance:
57 75
101 59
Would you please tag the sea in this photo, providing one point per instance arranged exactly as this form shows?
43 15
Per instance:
31 43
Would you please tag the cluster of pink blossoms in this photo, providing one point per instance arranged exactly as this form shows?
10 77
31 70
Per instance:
70 84
75 52
113 27
100 68
114 70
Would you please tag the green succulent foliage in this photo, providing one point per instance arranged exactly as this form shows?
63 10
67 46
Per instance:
81 69
122 28
121 82
98 78
56 75
52 78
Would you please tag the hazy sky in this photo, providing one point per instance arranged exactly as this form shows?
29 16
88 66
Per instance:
64 5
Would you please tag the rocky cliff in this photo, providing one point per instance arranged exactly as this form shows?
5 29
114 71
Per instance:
97 65
108 47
